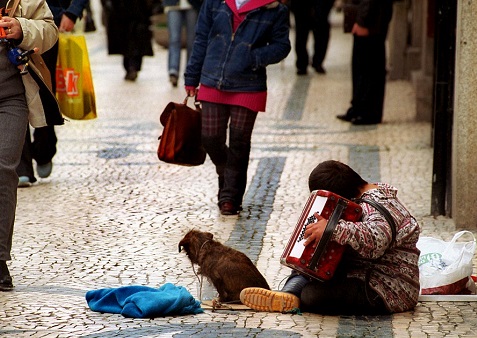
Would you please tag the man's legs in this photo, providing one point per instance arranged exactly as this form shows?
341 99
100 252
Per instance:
43 145
321 33
369 76
175 21
191 20
302 14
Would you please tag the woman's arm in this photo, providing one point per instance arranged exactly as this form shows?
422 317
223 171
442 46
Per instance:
38 29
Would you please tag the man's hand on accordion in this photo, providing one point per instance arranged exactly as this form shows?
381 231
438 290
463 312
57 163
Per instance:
314 231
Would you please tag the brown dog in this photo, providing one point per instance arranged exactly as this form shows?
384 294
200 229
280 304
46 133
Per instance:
229 270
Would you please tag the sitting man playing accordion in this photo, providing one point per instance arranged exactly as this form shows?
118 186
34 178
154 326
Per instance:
378 274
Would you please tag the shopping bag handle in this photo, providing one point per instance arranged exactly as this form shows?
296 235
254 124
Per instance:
460 234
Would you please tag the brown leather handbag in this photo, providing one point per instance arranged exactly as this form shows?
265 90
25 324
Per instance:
180 142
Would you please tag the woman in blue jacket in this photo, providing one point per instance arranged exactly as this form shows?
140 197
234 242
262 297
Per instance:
235 41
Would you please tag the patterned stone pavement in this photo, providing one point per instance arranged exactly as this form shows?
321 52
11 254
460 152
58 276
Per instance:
112 215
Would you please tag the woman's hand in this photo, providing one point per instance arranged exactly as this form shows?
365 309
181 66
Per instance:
12 28
191 91
359 31
66 24
314 231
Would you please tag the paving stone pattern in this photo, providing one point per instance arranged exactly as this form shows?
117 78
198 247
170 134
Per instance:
112 215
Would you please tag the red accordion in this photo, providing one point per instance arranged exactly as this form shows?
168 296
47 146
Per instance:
319 262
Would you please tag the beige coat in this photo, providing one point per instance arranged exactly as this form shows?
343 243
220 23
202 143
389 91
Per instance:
39 31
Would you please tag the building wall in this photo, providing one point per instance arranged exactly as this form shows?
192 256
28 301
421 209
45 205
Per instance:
464 144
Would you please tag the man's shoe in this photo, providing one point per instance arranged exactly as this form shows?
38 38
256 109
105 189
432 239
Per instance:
228 208
361 121
44 170
173 79
6 283
266 300
24 182
301 72
345 117
319 69
131 75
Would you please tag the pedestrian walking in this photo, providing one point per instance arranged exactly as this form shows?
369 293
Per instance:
42 148
36 19
235 41
180 14
311 16
127 28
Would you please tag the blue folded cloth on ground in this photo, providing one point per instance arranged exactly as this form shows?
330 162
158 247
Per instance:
138 301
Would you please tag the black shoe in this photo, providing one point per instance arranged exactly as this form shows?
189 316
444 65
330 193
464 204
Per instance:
348 116
301 72
131 75
319 69
6 283
345 117
173 79
361 121
89 25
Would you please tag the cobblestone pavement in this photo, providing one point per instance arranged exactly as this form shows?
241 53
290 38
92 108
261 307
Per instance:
112 215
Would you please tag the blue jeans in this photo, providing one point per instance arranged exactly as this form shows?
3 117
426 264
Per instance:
13 126
176 19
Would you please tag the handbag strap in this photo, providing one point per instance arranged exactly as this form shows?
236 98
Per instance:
330 227
385 212
13 9
389 218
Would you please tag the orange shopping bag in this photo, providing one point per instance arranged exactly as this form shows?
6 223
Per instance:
74 82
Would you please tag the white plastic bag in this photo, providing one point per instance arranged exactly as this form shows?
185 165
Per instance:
445 268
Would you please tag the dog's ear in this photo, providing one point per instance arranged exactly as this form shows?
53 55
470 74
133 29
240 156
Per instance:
183 244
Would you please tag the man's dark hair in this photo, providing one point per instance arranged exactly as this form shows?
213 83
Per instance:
336 177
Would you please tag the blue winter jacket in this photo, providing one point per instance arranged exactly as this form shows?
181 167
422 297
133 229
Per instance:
72 8
236 62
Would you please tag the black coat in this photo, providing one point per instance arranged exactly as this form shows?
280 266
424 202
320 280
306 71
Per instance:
374 15
127 26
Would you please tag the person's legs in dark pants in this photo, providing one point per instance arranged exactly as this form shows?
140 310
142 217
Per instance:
321 33
348 296
302 14
43 145
132 65
369 75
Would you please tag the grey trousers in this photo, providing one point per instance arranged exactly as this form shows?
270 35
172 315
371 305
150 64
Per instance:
13 126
